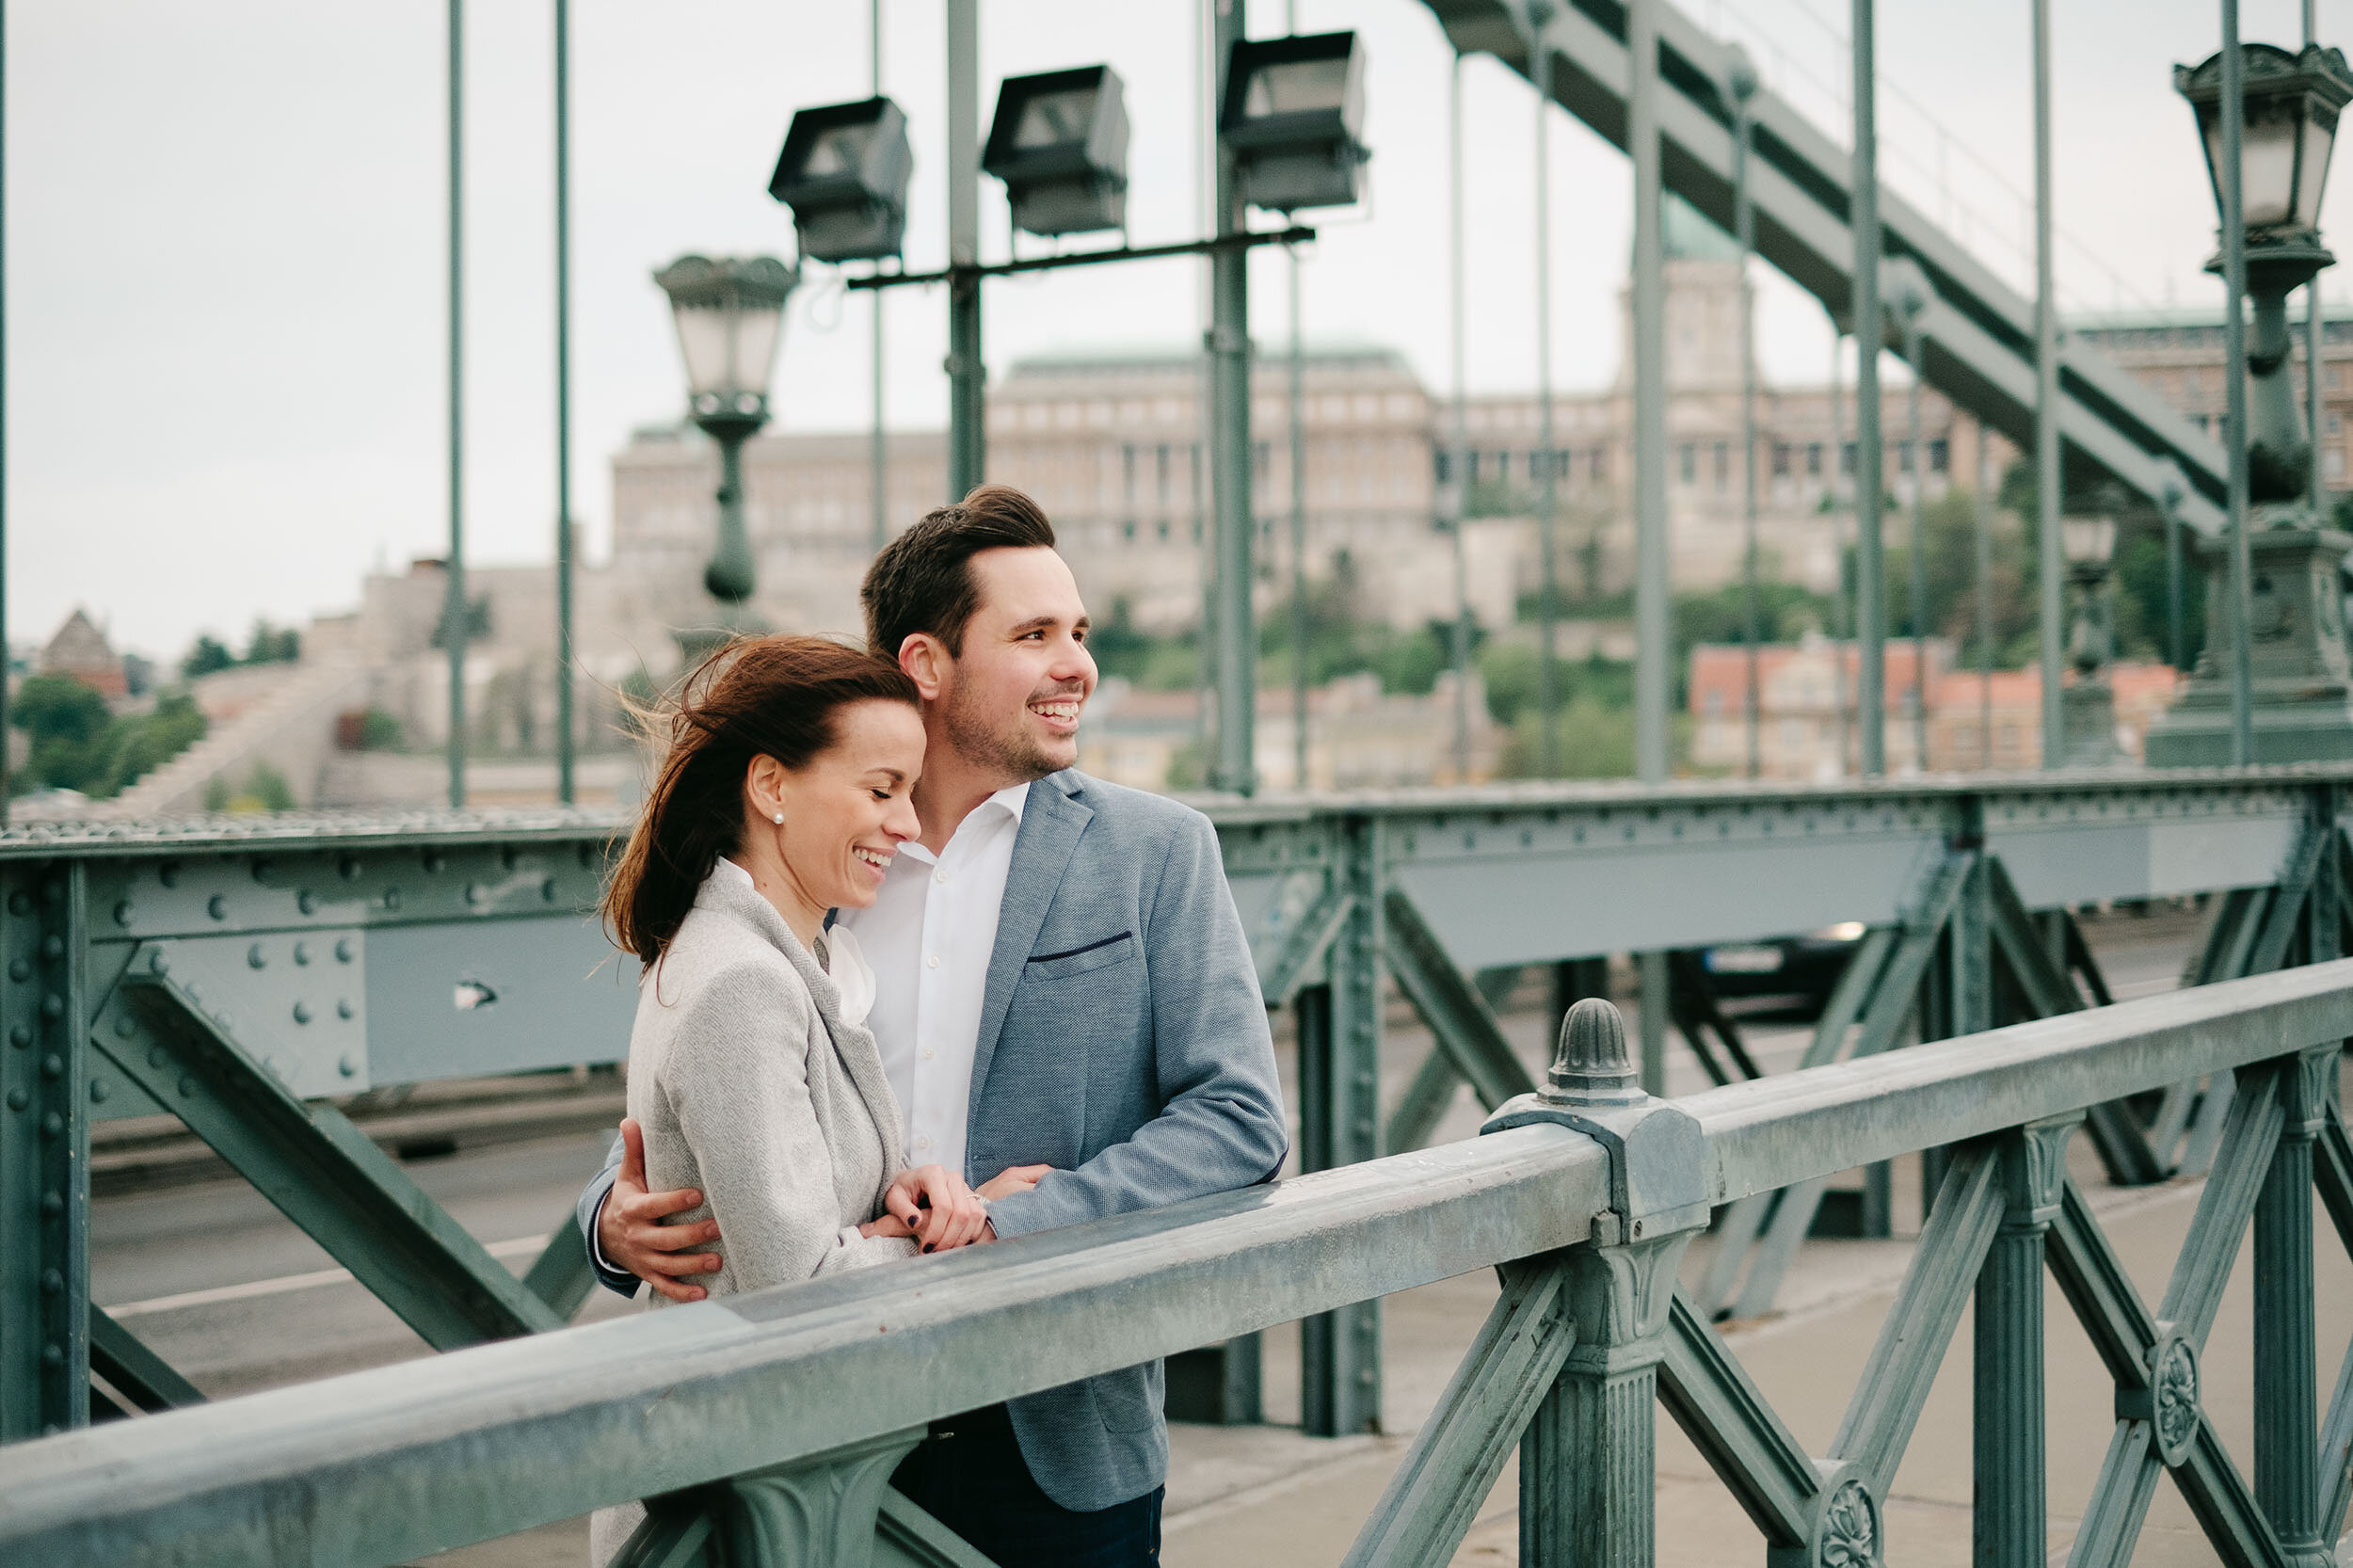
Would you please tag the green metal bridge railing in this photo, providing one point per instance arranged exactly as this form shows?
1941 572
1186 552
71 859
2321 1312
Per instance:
243 979
770 1421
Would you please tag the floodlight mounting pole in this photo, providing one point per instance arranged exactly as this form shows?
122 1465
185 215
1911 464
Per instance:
1234 760
968 433
1248 239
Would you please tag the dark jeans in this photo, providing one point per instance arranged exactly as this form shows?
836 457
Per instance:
969 1476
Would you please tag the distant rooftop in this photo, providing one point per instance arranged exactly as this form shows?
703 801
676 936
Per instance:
1114 357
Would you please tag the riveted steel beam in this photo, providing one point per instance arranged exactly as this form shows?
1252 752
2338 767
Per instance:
141 1376
320 1172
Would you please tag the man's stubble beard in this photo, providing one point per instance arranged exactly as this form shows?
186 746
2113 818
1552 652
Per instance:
1000 748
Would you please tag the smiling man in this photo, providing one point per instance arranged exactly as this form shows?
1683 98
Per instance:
1062 981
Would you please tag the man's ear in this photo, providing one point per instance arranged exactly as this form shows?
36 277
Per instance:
926 660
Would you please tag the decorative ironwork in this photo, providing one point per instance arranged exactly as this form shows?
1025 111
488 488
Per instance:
1850 1534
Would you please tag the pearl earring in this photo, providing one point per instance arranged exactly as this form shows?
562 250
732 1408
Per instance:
777 819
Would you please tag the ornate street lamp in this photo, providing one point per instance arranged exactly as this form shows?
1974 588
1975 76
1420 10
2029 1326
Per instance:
2089 705
2297 676
730 313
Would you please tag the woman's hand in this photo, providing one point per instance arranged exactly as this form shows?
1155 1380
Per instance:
890 1227
936 1208
1012 1179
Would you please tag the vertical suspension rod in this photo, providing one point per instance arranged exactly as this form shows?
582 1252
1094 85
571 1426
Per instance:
2049 473
1548 481
565 789
879 529
1458 428
1870 334
454 627
968 433
1652 609
1234 765
2233 111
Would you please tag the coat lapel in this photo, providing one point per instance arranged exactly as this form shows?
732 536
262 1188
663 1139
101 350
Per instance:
1052 819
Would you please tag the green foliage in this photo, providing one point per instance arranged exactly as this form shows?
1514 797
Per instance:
1510 671
264 790
1596 742
78 744
271 645
478 623
208 655
379 731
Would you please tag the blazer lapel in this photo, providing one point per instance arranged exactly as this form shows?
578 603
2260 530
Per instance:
1051 820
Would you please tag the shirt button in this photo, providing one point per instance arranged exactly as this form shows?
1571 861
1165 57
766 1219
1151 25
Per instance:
933 962
929 1053
922 1143
940 875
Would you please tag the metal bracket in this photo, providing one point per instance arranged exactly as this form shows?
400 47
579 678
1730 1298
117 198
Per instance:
294 1004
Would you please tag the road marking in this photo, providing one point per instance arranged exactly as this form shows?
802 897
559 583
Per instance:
250 1289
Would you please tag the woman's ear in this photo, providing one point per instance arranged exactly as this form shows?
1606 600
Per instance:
764 788
926 661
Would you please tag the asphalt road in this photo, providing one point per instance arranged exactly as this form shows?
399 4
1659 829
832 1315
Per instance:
229 1292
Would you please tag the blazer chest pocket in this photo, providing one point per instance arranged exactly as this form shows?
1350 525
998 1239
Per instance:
1085 958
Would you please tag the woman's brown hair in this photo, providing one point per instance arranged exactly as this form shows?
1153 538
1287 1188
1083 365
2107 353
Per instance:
760 696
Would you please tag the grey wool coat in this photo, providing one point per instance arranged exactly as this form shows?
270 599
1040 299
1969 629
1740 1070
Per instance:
750 1086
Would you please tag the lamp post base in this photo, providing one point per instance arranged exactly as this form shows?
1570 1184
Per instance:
2088 713
2303 688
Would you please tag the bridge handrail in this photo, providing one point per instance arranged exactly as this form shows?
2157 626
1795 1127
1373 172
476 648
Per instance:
381 1466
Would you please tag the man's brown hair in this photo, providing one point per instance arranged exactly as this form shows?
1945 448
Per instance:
922 581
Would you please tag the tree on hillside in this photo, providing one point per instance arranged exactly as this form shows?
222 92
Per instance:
208 654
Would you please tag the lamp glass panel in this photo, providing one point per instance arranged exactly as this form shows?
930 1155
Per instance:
1052 119
1290 86
757 328
706 341
840 151
2268 169
2311 174
2088 540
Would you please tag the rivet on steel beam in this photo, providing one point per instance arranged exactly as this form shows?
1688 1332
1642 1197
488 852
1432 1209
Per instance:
168 874
20 903
157 1056
261 871
223 1020
432 860
125 913
348 869
125 1026
342 950
19 1036
187 1085
52 1125
52 1065
302 952
270 1065
343 1007
19 1099
18 970
256 958
348 1066
196 992
307 900
52 1202
100 1089
53 890
508 855
474 893
157 963
547 890
217 907
302 1013
52 1356
52 946
51 1283
53 1006
391 898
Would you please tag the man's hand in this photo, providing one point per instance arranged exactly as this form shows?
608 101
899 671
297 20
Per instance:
632 1236
1012 1179
936 1208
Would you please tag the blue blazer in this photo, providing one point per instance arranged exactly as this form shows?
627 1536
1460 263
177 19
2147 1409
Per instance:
1123 1041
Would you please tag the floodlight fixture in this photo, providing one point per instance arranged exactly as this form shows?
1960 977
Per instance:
843 171
1060 144
1293 118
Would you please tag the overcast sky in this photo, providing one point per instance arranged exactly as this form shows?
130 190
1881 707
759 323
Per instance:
226 231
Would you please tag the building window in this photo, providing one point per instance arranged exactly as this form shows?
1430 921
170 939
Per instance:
1159 472
2332 465
1846 459
1782 453
1601 464
1939 455
1688 462
1723 466
1442 470
1813 459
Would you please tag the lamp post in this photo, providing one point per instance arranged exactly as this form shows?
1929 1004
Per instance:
2088 706
1740 86
1905 287
2286 655
730 314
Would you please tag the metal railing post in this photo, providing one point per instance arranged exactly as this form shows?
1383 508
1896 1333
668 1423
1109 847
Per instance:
2011 1522
1589 1456
44 1155
2287 1437
1340 1099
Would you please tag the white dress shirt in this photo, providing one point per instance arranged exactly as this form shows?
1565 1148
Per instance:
928 938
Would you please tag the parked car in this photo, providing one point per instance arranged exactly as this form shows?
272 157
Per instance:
1806 967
